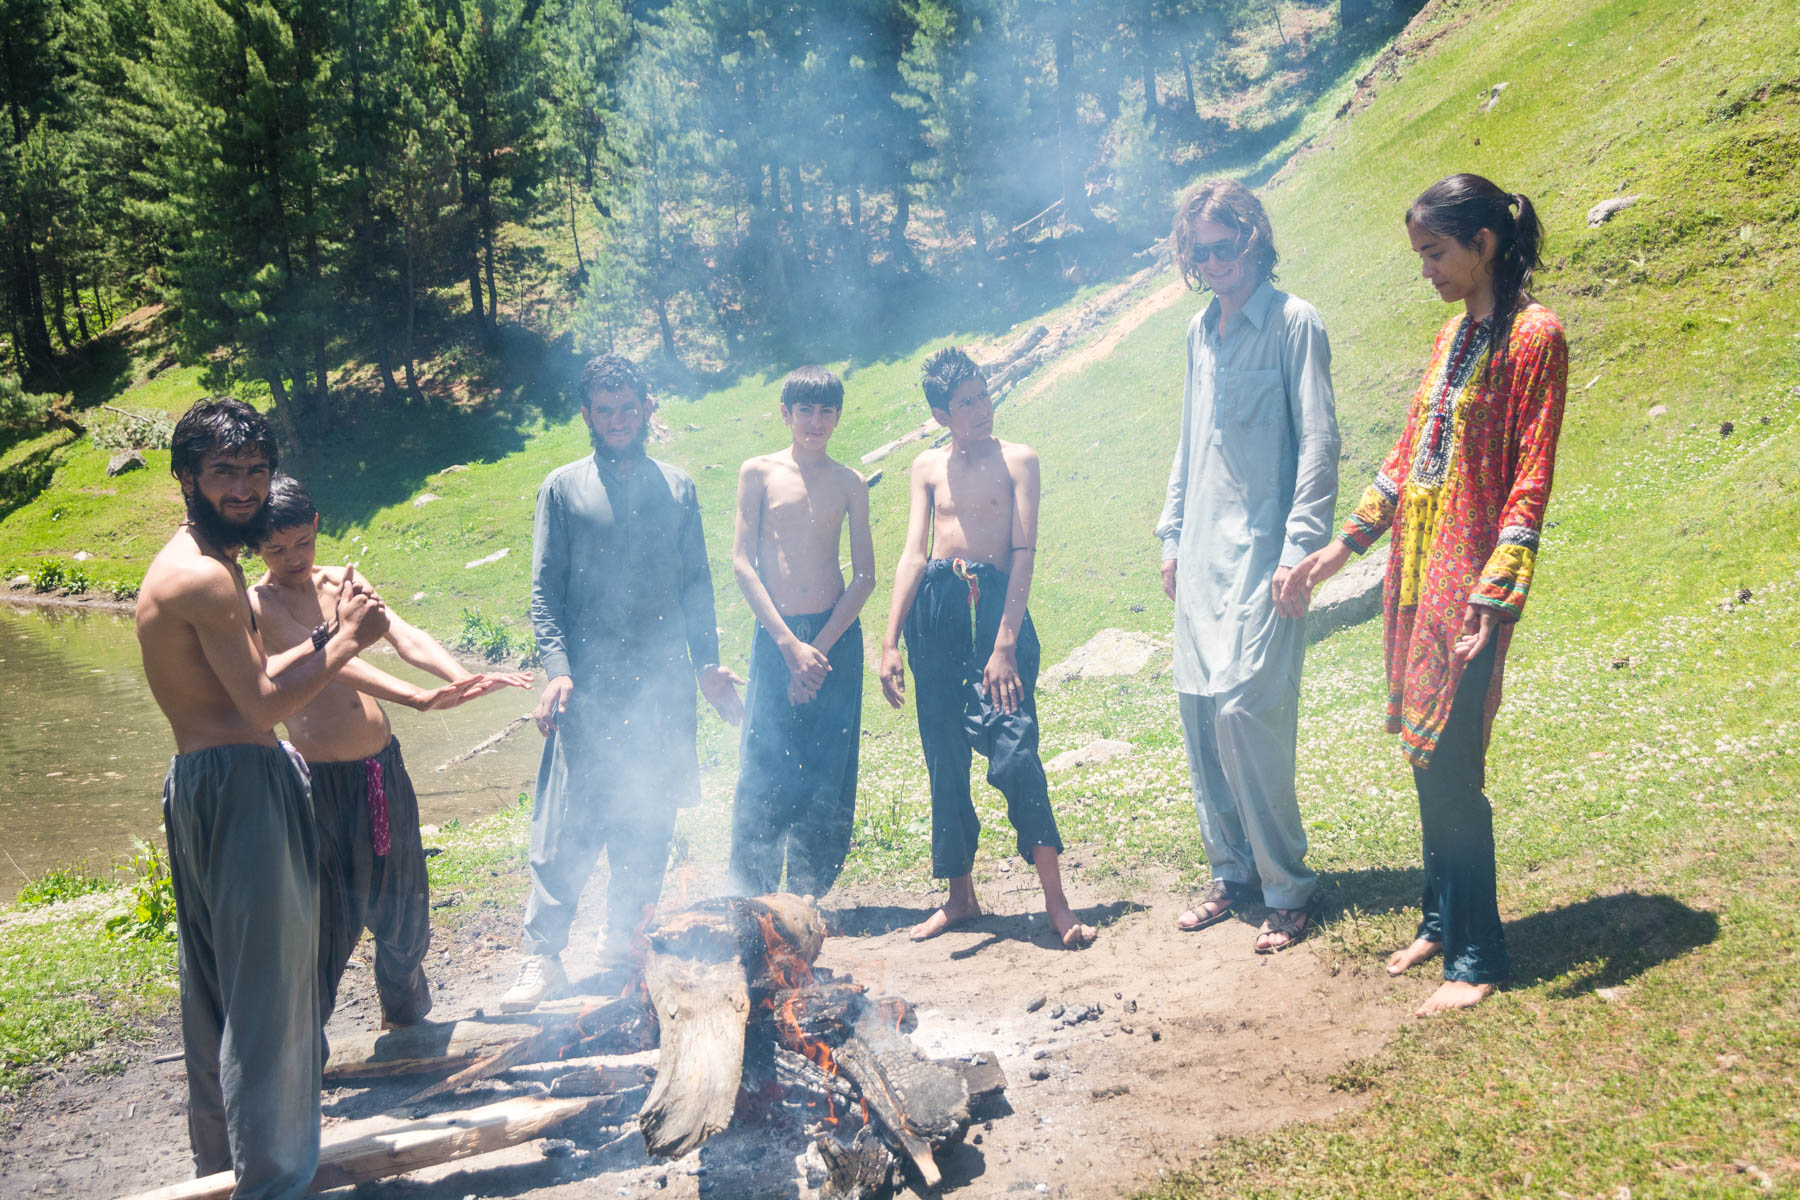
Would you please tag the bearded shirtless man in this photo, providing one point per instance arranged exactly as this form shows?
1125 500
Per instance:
971 545
371 859
243 852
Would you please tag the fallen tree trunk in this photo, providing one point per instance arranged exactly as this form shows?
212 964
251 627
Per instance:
698 971
409 1147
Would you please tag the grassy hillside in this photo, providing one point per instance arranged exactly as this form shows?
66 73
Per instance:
1643 772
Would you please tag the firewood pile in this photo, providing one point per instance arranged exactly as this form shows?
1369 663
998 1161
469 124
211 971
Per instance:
728 1016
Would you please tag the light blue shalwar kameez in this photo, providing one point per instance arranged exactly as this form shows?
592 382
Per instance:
1253 488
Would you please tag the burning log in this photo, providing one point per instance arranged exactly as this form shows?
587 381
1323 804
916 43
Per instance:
862 1170
698 972
409 1147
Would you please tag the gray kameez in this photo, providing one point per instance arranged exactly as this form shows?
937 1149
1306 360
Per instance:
1253 488
622 603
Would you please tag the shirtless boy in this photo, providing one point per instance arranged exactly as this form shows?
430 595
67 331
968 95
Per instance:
243 851
796 791
371 861
971 542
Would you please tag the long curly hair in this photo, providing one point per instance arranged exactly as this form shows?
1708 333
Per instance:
1231 204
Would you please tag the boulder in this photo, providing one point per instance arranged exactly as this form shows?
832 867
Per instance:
81 556
125 460
1607 209
19 581
1350 597
424 498
1658 410
1109 652
1104 750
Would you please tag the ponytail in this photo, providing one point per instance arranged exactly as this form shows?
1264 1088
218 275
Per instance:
1461 207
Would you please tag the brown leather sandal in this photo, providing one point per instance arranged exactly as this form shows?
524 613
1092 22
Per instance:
1293 924
1220 896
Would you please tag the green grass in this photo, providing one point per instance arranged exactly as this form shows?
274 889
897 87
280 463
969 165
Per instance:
65 988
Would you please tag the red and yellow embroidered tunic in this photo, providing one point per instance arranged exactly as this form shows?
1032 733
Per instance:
1464 490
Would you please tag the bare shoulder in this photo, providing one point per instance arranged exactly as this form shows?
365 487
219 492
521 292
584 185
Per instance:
190 585
849 477
930 463
1018 456
757 466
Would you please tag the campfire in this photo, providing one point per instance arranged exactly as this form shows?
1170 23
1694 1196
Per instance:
727 1017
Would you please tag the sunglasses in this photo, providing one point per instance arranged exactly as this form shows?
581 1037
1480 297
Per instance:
1222 252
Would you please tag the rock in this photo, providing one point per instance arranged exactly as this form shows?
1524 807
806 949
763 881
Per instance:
1039 1055
1104 750
495 557
1039 1073
1036 1003
424 498
1491 97
1607 209
453 469
19 581
81 556
1109 652
1658 410
1726 428
1350 597
417 596
123 461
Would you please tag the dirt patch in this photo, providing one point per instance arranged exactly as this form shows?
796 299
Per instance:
1104 345
25 597
1195 1036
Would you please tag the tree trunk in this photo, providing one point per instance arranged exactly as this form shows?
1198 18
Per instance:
1068 132
487 245
81 325
1187 76
58 308
902 218
1147 45
473 252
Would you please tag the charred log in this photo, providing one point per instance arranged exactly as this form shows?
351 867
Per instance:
861 1170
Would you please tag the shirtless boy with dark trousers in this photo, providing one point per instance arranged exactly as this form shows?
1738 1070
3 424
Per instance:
243 852
960 594
371 859
796 793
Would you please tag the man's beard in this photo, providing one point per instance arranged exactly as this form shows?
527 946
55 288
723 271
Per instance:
614 454
217 530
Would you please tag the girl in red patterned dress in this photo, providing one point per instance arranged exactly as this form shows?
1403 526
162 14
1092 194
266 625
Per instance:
1464 491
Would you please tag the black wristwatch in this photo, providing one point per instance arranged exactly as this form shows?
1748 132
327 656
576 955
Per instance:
321 634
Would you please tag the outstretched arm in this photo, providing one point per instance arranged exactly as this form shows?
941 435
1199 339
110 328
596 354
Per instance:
909 573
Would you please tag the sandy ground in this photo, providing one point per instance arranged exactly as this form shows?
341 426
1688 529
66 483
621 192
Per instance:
1198 1036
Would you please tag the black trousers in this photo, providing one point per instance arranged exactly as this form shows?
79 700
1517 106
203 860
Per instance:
797 763
387 894
1456 826
949 637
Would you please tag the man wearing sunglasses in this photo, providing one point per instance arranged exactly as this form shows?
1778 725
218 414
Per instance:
1251 493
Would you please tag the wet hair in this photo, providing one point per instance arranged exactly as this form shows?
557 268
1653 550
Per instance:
812 385
612 373
944 372
289 504
220 425
1461 207
1231 204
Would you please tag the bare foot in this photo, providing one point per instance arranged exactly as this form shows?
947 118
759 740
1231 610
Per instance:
1403 960
1454 994
1074 935
948 916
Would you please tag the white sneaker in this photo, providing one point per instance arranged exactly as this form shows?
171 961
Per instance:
540 978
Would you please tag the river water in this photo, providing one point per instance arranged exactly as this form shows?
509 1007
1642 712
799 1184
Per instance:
83 747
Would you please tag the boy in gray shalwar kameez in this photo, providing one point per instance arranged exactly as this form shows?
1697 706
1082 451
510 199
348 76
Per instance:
1250 494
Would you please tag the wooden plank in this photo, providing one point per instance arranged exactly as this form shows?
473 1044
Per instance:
362 1052
410 1146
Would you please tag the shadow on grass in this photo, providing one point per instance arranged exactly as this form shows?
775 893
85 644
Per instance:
1371 890
1604 941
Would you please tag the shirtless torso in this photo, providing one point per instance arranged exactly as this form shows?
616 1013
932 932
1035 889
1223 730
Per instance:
204 657
796 512
983 500
341 724
793 508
